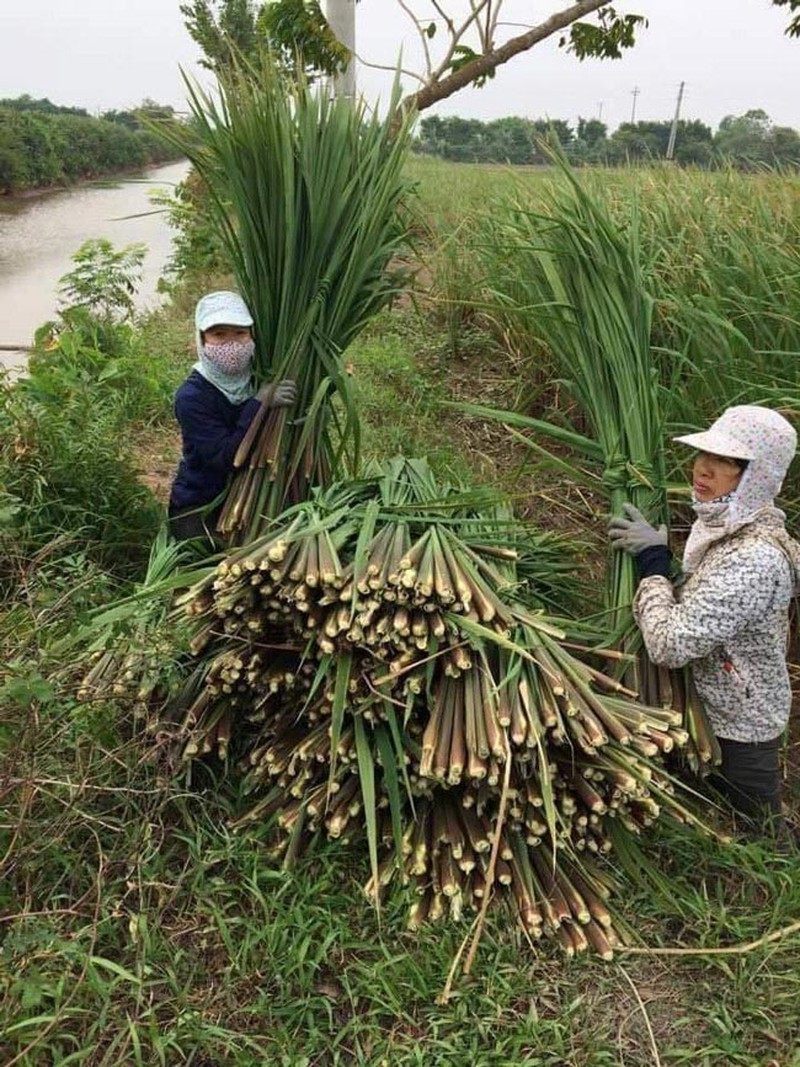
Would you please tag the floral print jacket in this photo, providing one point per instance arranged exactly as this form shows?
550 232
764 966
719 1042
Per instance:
729 620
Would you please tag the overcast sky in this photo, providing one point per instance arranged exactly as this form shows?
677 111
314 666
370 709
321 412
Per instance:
732 54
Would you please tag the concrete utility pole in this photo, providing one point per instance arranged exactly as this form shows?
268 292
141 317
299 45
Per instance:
673 133
634 94
341 14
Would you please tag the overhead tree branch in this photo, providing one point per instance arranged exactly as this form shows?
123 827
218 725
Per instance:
392 69
456 36
422 36
439 88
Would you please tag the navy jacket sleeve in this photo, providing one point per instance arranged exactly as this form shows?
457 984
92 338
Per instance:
657 559
211 440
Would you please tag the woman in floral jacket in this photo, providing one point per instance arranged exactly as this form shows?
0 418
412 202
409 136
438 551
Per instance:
727 614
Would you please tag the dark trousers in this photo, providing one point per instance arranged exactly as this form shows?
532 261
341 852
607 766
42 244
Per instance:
193 524
749 777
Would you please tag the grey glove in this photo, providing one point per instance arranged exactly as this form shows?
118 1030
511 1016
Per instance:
278 394
634 534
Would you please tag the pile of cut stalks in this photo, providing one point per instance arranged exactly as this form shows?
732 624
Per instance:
378 666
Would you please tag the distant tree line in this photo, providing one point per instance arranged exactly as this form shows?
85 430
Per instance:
748 141
43 144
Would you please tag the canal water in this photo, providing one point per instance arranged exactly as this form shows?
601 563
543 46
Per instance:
39 234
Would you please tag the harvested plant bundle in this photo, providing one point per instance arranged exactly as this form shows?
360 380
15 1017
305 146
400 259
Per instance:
131 644
574 279
377 665
306 192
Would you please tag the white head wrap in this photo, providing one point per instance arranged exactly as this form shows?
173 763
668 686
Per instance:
222 308
768 442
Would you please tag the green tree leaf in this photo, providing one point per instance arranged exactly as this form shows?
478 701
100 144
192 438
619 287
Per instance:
295 31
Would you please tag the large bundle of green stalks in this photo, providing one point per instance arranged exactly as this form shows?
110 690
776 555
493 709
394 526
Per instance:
378 665
306 192
573 279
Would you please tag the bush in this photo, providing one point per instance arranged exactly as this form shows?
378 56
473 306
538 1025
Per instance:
198 249
42 144
104 279
64 474
93 342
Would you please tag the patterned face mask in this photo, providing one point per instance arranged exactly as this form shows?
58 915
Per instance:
232 358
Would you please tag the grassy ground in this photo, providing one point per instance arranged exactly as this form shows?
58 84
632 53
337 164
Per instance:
146 933
136 928
139 930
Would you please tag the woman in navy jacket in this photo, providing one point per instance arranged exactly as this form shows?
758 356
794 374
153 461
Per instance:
214 407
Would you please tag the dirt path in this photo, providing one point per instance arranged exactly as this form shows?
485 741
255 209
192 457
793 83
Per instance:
158 450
